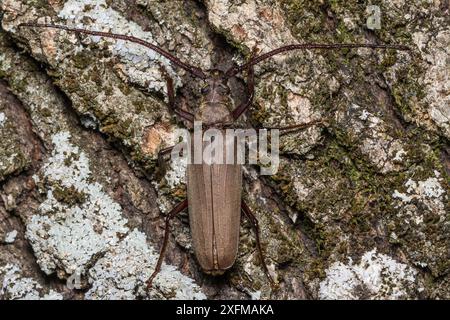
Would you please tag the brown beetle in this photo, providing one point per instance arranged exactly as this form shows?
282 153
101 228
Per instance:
214 194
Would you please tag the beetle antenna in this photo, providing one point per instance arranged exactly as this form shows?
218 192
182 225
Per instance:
235 70
191 69
294 126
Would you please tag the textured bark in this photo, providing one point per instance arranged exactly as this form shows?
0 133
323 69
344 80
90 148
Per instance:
359 208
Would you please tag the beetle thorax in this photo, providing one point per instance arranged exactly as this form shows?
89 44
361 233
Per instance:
215 105
213 114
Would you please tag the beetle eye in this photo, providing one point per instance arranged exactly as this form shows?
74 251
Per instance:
205 90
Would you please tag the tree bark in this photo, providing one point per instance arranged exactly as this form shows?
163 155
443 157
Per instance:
357 210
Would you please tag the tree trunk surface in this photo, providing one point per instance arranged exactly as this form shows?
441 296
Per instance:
358 209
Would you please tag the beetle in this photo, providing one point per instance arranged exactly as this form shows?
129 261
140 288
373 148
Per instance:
214 197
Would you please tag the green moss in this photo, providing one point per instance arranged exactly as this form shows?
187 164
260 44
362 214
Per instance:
45 112
70 83
3 74
148 163
179 193
70 159
82 60
20 84
69 196
87 8
109 91
119 129
124 88
139 104
355 196
96 76
39 4
306 18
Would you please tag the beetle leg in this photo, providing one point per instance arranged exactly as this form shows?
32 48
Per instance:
236 113
162 164
178 208
239 110
162 153
251 217
171 93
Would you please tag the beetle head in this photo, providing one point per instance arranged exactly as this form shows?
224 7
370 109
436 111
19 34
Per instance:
216 99
216 84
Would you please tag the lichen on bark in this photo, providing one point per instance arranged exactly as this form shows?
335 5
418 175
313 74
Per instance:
359 207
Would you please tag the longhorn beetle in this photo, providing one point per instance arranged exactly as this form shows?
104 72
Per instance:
214 190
